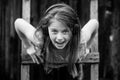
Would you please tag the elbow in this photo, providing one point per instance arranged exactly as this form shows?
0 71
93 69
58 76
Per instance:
96 23
17 22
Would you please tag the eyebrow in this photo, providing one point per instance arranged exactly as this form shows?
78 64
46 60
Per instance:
54 29
65 30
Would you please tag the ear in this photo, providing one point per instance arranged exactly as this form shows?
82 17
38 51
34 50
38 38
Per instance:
43 26
76 29
45 30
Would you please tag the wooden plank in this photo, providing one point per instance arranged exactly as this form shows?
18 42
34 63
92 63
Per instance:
26 16
94 72
115 37
25 72
94 9
92 58
26 10
94 47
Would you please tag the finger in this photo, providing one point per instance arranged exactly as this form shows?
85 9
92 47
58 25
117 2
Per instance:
32 58
36 60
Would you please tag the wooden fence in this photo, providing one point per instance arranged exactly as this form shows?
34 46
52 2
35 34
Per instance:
92 58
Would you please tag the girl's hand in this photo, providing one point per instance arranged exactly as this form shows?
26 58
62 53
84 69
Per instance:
35 47
33 52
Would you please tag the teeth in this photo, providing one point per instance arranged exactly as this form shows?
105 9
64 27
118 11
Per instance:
60 43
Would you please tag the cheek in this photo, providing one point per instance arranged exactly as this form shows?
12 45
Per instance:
52 37
68 37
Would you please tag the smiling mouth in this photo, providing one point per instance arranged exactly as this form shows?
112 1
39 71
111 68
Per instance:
60 43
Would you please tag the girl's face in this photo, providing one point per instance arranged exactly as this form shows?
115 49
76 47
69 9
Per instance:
59 34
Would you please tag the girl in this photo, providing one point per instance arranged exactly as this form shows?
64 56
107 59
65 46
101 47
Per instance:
57 41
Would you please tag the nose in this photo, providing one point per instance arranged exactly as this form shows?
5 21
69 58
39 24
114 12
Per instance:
60 38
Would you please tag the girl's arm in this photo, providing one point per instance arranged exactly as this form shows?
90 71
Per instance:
26 32
89 31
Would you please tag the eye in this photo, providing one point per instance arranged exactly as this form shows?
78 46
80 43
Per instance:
65 31
54 31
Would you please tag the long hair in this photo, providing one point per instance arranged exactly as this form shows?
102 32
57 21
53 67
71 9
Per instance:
65 14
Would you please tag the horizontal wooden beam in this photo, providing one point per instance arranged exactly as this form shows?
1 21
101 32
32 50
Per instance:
92 58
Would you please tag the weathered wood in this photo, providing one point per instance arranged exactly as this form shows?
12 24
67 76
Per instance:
94 47
26 10
94 72
25 72
94 9
115 40
92 58
26 15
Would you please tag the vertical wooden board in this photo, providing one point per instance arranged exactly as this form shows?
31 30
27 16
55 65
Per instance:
94 9
26 9
94 46
94 15
35 16
26 16
94 72
115 40
84 12
25 72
